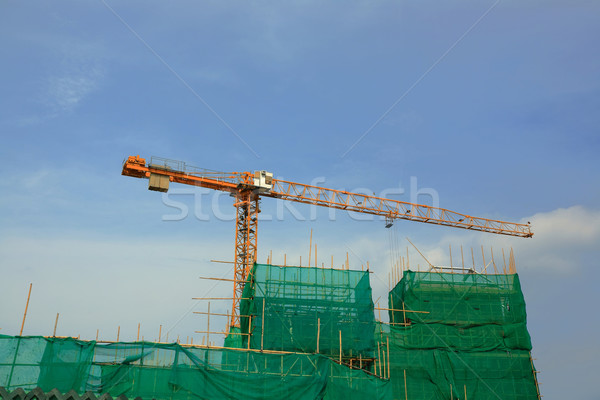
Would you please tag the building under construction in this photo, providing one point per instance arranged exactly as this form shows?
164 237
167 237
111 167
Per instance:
309 332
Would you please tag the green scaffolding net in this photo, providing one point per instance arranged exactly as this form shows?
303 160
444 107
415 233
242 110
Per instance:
173 371
458 336
303 309
310 333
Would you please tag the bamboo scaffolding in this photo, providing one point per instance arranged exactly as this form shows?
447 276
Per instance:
208 324
388 356
55 323
26 307
216 279
483 257
216 314
318 333
431 266
310 248
217 298
493 262
222 333
340 346
405 388
400 309
262 330
379 357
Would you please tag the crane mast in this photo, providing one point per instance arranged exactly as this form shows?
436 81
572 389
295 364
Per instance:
248 188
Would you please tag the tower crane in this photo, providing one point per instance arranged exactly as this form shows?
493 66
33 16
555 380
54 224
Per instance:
248 187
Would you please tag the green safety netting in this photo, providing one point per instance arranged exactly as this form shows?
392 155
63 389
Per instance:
459 299
295 306
175 372
469 338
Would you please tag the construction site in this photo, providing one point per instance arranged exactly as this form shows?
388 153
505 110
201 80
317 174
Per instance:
311 331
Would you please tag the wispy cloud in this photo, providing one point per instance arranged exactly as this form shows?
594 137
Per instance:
561 237
67 91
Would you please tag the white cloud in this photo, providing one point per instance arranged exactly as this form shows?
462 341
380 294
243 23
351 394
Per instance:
67 91
561 238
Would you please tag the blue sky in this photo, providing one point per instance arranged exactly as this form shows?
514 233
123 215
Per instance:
492 106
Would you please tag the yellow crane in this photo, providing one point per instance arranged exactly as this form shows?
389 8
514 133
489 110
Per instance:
248 187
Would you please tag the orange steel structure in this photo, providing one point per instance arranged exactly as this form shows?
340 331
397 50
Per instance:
247 188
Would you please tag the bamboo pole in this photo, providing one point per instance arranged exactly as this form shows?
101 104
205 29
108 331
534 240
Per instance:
159 333
511 262
430 264
262 329
462 257
97 332
55 323
224 333
383 363
212 314
387 339
504 260
138 334
493 262
284 260
466 392
118 332
26 307
216 279
379 356
249 331
483 257
405 388
340 347
310 248
316 264
450 247
217 298
318 333
208 324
